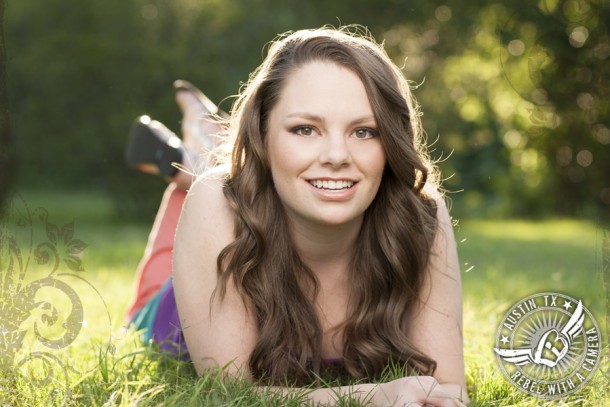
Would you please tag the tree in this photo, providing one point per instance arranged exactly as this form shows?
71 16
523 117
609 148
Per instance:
7 160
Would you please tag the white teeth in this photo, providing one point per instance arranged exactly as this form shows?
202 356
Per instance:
331 184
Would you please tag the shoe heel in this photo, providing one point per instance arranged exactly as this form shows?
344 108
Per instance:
152 147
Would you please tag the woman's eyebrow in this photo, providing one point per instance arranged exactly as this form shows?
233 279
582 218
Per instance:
367 118
364 120
305 115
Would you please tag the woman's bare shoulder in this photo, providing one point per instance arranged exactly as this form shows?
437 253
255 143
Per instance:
207 221
209 183
207 197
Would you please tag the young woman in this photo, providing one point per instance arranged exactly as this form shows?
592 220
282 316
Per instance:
325 246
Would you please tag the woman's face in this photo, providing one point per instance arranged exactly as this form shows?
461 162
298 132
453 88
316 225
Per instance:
323 148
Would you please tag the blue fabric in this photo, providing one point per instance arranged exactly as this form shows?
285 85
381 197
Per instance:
159 321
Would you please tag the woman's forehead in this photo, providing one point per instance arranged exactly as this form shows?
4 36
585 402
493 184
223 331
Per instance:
323 88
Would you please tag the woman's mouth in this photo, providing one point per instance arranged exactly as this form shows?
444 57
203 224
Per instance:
331 185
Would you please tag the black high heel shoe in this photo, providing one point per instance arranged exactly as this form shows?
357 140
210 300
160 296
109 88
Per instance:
153 148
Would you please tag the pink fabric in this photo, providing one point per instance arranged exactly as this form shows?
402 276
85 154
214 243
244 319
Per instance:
156 265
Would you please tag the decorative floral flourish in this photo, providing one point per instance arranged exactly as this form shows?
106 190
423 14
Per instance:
23 247
64 239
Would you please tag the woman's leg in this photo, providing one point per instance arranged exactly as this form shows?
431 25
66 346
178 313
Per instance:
155 268
201 131
155 149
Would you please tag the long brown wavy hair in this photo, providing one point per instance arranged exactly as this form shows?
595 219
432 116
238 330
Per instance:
393 246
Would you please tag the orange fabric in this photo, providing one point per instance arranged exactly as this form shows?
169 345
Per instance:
156 266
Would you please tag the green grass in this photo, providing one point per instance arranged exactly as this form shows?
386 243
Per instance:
502 262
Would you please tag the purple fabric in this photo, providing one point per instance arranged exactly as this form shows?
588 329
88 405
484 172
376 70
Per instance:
167 330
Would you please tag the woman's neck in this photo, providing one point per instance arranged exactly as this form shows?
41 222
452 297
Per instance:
326 250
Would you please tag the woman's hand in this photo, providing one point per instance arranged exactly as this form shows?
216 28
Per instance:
419 391
412 391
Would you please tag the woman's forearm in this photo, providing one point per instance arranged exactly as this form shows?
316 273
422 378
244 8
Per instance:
329 395
408 391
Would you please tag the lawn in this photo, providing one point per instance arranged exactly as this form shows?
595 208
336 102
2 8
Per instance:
503 261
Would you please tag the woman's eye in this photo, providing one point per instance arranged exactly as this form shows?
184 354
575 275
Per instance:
365 133
304 131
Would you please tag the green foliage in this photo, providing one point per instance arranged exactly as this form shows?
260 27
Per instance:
7 157
519 95
516 94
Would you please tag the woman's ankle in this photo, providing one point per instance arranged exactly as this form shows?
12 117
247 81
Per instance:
183 180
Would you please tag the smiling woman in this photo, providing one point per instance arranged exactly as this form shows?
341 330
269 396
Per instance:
326 247
325 157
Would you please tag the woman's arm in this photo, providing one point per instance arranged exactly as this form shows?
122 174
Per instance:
227 335
407 391
435 324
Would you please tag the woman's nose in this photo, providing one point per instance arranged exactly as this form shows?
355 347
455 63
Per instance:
335 150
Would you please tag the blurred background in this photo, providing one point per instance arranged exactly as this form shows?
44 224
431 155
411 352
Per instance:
515 95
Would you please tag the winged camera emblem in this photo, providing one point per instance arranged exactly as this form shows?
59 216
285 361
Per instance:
557 343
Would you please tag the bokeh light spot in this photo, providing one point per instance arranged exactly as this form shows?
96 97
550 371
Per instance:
585 101
602 134
579 36
442 13
513 139
516 47
584 158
